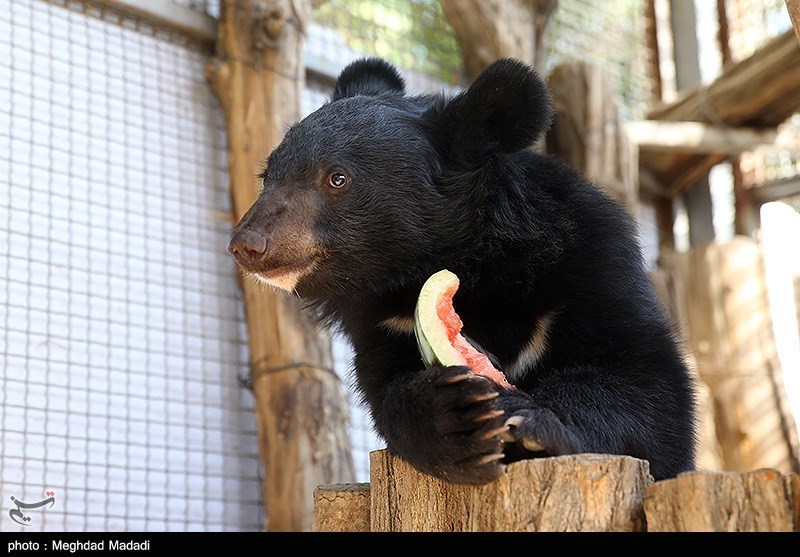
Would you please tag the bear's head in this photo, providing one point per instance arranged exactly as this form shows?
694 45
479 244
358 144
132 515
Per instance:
377 190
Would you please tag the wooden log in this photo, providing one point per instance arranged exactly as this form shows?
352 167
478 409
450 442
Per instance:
720 292
760 91
698 138
258 75
587 132
563 494
757 501
491 29
342 508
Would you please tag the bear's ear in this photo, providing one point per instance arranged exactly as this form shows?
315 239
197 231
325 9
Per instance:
368 76
505 110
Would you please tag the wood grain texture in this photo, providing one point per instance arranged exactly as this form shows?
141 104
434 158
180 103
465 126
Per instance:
258 76
759 501
342 508
562 494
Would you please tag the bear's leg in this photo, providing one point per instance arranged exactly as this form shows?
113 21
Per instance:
596 411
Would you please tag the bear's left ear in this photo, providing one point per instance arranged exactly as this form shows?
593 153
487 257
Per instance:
505 110
368 76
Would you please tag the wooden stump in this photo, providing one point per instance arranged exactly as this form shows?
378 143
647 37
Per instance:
759 501
564 494
341 508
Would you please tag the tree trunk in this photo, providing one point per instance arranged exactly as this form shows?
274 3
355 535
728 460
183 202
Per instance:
491 29
258 75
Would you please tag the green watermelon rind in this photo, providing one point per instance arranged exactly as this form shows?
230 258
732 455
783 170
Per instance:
432 340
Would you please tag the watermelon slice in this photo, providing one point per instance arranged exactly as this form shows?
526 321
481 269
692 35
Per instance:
438 330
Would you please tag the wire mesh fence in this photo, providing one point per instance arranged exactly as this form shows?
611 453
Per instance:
121 324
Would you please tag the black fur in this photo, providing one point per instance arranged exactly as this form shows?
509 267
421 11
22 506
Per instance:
369 77
435 183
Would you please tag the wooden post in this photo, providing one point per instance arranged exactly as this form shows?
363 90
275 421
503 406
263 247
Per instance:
342 508
258 75
720 294
686 54
587 132
758 501
562 494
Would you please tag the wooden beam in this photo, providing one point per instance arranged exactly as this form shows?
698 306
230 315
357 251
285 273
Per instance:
719 293
164 12
652 53
760 91
698 137
776 190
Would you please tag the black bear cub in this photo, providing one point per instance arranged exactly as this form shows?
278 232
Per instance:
374 192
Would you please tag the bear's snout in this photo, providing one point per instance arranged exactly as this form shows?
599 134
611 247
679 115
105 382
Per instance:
247 246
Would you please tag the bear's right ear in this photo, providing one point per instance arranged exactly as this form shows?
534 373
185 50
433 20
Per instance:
368 76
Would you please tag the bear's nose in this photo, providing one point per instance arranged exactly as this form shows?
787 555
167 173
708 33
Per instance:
247 245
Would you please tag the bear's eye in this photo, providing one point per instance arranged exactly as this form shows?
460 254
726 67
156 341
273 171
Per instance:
338 180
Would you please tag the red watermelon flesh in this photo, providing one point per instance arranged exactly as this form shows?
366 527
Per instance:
478 361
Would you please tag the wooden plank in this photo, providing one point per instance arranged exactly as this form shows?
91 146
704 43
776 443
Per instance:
760 91
342 508
758 501
587 492
301 413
